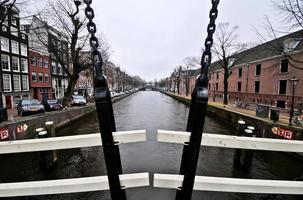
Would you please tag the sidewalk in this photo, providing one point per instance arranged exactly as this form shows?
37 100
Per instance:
284 117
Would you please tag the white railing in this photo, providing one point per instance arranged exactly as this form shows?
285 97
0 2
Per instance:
74 185
220 184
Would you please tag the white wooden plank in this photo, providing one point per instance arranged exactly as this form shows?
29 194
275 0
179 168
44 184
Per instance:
130 136
228 141
219 184
253 143
178 137
68 142
70 185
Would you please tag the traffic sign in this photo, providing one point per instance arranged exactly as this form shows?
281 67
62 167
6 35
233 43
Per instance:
21 128
282 132
4 134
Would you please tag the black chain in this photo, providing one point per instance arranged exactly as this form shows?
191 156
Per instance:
207 55
94 43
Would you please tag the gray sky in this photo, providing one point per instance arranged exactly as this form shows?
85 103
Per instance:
150 37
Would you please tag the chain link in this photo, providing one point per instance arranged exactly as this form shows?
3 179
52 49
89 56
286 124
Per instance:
94 43
207 55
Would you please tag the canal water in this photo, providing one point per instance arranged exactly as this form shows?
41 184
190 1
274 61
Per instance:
151 111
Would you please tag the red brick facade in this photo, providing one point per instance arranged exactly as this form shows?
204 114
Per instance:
243 87
40 75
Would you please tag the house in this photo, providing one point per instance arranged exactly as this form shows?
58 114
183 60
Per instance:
14 59
262 74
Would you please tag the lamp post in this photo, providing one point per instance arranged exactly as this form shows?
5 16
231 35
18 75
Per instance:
294 82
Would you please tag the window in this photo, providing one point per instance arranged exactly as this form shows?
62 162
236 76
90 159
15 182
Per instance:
291 43
33 61
39 62
59 69
239 86
240 72
54 67
7 87
217 86
4 44
23 49
17 83
14 21
46 78
40 77
258 70
284 66
14 31
5 64
45 63
34 76
24 65
282 86
15 47
217 75
209 86
257 86
25 82
15 64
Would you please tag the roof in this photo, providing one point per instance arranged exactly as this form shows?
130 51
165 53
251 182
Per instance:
266 50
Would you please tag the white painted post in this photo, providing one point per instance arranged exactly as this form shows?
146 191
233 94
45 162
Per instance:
51 130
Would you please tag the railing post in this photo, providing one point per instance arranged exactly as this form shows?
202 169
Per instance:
51 131
239 132
107 127
46 156
195 125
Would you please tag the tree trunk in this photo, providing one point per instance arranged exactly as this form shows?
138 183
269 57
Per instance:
70 90
225 100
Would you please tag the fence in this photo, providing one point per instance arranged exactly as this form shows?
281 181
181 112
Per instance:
86 184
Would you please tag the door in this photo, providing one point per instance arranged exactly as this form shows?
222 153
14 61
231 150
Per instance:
8 100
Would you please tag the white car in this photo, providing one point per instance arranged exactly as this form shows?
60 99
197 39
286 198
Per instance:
78 100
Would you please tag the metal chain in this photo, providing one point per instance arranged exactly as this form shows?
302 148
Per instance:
207 55
94 43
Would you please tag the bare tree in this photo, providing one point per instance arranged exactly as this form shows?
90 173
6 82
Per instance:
190 63
225 47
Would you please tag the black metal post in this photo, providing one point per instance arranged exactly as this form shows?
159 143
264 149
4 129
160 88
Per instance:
195 125
237 152
107 127
291 114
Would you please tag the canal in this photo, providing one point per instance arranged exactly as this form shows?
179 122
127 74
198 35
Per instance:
151 111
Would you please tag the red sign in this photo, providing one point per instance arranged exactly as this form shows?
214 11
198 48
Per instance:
4 134
21 128
283 133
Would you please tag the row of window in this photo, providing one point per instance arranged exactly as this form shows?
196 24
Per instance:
14 46
283 69
40 77
39 62
7 83
6 65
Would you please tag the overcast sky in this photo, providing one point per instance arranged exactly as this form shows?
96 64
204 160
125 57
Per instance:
150 37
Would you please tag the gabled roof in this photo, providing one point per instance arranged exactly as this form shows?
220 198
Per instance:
266 50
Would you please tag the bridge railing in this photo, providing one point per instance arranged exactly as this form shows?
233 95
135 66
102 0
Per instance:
85 184
220 184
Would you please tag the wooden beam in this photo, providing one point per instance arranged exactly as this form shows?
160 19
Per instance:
68 142
218 184
74 185
228 141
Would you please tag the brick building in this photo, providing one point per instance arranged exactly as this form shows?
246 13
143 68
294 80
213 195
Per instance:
262 74
40 73
14 60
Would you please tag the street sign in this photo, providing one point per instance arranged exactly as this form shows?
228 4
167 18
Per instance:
21 128
4 134
282 132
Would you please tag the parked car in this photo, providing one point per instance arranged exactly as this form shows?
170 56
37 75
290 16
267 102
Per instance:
78 100
52 105
30 106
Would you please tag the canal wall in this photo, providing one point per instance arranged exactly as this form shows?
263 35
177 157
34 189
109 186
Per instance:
61 118
263 126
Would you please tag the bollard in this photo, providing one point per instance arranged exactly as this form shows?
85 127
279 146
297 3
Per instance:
239 132
253 130
46 156
246 155
38 130
51 131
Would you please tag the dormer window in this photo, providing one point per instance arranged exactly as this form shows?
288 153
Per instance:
291 43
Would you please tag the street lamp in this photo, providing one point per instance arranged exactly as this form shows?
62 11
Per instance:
294 82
